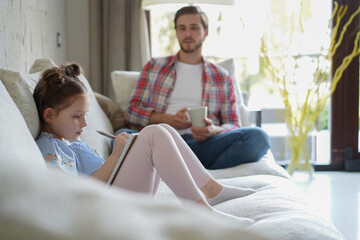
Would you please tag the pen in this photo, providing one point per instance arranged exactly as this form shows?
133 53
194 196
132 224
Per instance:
106 134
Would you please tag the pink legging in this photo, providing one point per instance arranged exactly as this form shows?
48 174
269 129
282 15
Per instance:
160 152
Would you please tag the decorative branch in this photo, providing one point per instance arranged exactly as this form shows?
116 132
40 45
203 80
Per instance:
301 113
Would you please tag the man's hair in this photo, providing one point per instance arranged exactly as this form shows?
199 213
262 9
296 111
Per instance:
192 10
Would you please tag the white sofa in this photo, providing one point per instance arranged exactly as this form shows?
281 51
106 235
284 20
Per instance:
41 203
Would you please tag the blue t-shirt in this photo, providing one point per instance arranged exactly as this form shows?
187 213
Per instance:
72 157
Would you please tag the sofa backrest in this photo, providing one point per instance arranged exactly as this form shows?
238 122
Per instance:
17 143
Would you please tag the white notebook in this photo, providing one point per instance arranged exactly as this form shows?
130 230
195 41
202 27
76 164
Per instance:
123 155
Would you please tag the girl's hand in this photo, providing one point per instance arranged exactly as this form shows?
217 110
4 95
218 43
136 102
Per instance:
119 143
104 172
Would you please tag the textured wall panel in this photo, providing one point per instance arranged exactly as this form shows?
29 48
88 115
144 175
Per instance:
28 30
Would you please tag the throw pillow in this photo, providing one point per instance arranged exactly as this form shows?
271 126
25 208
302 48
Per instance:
229 65
17 85
124 83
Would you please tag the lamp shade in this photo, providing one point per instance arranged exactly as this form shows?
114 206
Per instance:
148 3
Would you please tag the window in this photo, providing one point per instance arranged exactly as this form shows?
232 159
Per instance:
236 31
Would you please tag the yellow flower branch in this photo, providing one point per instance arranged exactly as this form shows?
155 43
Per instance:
302 112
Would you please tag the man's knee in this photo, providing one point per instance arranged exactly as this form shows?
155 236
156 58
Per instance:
255 139
262 136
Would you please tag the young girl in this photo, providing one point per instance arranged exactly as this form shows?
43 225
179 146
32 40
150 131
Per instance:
158 152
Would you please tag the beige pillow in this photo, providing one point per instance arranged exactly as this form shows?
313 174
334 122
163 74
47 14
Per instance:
41 64
17 144
229 65
97 119
17 85
124 83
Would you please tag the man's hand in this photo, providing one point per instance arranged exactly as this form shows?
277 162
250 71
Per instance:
178 121
181 120
203 133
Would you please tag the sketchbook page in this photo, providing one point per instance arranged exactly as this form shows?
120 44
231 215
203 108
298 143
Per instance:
123 155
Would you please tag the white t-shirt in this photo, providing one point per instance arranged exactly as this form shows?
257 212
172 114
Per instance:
187 91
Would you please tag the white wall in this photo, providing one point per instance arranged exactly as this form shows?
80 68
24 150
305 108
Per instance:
78 33
28 30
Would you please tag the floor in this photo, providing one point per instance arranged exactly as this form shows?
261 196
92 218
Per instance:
337 196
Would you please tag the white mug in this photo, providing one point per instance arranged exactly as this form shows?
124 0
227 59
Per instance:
197 116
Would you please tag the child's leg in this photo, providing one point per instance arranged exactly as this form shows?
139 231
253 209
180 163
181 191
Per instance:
156 148
153 149
214 191
200 175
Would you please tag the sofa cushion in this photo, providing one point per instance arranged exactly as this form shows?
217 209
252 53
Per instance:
96 119
278 207
54 205
17 144
17 84
266 166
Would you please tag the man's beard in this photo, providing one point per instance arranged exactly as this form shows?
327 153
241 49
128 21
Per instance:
197 46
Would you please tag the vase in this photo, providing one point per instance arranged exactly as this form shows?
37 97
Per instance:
302 172
300 161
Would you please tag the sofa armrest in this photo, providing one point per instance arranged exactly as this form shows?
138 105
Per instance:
111 110
255 116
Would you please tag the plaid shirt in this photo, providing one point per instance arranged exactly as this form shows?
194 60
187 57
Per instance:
156 84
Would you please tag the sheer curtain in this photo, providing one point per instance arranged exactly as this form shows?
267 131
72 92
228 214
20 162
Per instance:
118 40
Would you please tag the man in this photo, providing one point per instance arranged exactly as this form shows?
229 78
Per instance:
168 86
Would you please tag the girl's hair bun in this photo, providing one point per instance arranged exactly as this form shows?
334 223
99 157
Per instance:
53 76
72 69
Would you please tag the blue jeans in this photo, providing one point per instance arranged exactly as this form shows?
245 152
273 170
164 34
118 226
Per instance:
229 149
